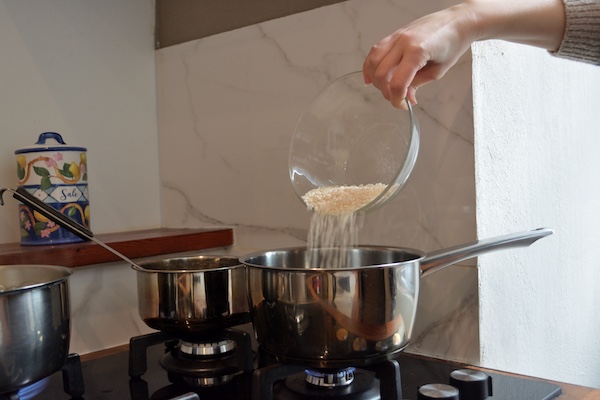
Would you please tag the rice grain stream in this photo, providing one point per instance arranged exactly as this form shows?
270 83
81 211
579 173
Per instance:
333 223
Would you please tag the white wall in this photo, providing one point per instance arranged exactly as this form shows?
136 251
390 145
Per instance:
84 69
537 147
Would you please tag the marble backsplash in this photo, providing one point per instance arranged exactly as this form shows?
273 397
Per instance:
228 105
227 109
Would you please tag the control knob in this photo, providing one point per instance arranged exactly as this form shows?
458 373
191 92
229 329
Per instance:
437 391
472 385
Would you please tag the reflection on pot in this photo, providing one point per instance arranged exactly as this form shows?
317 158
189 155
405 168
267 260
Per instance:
187 295
34 323
324 319
357 315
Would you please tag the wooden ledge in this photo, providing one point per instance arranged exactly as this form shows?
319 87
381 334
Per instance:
134 244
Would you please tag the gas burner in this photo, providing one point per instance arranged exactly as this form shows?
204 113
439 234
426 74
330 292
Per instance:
199 362
210 348
291 382
201 371
72 378
346 384
330 379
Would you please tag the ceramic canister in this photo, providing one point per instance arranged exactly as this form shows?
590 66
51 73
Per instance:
56 174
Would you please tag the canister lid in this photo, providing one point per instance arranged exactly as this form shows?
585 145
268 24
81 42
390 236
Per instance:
56 143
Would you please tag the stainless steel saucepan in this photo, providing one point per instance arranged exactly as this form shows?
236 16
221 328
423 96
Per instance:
196 295
353 316
185 296
34 323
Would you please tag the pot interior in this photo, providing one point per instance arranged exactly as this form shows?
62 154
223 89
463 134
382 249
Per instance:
21 277
301 258
188 264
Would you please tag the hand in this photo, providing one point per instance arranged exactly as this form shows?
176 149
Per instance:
417 54
427 48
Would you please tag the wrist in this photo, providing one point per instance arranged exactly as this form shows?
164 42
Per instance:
470 21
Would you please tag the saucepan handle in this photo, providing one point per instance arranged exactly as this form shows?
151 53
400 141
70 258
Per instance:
441 259
26 198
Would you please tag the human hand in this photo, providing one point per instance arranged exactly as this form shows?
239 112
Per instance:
424 50
419 53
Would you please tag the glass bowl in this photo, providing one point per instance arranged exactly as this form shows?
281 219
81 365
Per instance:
351 137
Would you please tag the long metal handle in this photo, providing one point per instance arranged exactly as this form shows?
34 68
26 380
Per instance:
26 198
441 259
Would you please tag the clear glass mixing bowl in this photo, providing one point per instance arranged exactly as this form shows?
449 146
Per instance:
352 136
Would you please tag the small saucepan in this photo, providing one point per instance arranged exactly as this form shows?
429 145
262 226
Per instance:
34 323
184 296
353 316
191 296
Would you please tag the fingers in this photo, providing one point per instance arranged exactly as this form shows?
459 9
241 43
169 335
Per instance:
399 70
380 66
393 67
404 80
376 55
419 53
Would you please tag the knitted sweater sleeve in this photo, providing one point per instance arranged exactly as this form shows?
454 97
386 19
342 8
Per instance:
582 32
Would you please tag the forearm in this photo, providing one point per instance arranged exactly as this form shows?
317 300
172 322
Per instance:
424 50
539 23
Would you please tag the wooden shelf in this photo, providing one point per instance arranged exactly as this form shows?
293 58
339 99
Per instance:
135 244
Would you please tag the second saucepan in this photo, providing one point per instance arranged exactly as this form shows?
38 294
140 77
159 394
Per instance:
192 295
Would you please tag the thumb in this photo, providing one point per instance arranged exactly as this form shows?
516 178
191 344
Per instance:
411 95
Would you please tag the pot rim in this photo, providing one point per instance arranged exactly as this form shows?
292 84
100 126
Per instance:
146 266
413 256
65 271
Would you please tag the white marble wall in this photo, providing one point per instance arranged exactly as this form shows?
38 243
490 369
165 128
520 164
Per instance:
227 109
103 307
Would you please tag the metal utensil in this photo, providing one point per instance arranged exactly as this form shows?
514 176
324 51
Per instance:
22 195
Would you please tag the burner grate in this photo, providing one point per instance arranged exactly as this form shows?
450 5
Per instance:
72 382
203 363
290 382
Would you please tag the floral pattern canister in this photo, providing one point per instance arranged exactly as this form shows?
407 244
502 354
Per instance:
56 174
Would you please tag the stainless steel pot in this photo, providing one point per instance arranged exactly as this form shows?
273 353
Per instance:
34 323
182 296
192 295
352 316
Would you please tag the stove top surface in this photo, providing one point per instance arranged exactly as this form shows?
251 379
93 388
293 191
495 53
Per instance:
167 367
107 378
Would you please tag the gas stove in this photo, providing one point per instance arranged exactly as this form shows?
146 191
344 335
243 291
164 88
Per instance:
160 366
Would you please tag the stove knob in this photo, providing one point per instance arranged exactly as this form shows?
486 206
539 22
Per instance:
437 391
472 385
